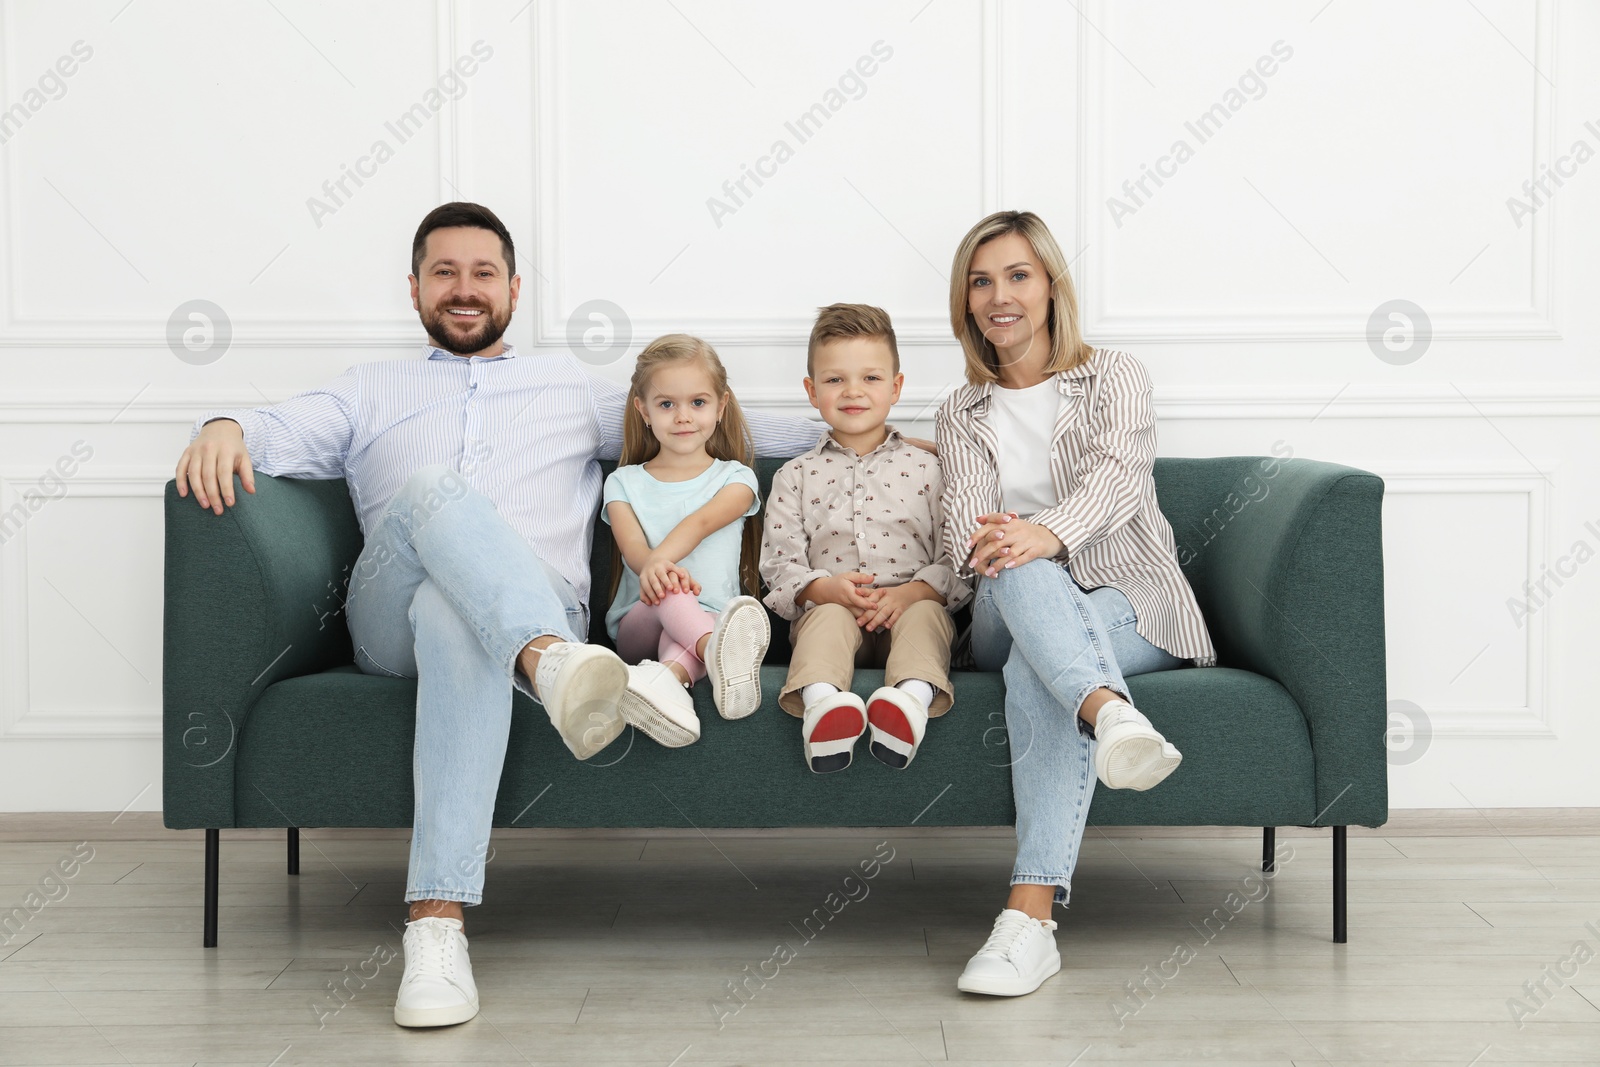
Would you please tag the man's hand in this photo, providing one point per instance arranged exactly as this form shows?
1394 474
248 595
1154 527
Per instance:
661 577
892 603
1002 541
209 464
852 589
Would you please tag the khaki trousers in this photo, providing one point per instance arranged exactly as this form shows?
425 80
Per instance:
829 646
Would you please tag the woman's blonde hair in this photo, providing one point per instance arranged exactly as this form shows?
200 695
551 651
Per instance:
1067 346
730 440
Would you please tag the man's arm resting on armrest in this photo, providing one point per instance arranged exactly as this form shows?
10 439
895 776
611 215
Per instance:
210 462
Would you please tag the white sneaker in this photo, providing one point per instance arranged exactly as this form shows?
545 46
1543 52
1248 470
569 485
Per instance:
734 654
830 729
437 988
1131 753
1019 955
656 704
580 687
898 721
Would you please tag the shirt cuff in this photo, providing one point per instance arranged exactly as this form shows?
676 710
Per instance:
249 422
782 597
942 580
1071 533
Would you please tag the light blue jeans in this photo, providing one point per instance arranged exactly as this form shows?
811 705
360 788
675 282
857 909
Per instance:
446 592
1055 643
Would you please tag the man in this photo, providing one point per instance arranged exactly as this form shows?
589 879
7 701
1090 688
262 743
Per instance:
475 478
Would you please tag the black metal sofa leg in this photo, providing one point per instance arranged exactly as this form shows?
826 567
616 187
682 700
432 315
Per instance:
294 850
1340 934
213 861
1269 844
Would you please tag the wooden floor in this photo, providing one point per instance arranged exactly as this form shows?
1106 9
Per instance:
625 947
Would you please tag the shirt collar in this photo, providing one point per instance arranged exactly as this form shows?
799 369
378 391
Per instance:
894 440
432 352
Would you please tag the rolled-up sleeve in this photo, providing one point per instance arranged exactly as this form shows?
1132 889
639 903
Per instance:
785 549
1118 459
306 436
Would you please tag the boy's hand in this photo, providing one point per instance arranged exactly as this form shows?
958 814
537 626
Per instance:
852 589
1003 541
892 603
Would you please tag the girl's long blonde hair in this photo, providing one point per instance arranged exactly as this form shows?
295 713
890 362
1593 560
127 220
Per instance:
729 441
1067 346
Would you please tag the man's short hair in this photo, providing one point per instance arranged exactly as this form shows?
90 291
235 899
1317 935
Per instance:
461 213
837 321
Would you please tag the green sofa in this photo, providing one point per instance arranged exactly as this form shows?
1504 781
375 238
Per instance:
269 724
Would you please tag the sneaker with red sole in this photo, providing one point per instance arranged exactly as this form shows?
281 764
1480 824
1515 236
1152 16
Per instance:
830 729
898 722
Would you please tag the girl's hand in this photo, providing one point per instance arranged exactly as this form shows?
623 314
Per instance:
1004 541
686 583
659 578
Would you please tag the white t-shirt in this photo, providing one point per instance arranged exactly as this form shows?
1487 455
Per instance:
1023 421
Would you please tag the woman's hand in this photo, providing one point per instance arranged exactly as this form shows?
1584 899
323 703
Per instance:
1002 540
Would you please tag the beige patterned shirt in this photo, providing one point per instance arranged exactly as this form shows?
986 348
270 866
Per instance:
831 511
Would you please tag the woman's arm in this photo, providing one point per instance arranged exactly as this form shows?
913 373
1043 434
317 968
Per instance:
1118 461
971 489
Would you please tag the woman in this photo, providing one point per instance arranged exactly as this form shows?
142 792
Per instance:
1049 501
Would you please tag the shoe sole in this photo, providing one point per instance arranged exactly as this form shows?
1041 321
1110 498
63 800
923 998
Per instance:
1008 987
893 743
1137 762
592 713
449 1016
644 716
743 639
832 743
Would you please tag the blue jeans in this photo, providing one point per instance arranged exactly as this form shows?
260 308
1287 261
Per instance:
446 592
1055 643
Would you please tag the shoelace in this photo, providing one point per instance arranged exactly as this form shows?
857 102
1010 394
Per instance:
1009 930
433 947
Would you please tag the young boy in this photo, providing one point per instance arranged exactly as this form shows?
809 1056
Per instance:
851 555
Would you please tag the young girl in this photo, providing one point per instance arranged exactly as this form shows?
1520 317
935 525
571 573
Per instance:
677 505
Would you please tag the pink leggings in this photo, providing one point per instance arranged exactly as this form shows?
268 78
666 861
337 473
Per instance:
667 632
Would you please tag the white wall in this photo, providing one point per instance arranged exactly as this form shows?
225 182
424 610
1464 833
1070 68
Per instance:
1373 164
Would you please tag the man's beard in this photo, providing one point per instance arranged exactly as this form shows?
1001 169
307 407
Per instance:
443 328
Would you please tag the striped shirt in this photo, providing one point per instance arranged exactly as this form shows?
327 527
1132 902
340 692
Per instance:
1102 452
526 431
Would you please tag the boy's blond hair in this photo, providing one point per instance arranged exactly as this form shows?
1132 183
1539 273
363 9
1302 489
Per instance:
838 321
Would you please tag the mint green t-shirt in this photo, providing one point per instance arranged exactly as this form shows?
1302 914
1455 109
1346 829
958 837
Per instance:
660 506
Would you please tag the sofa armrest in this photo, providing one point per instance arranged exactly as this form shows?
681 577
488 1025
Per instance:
251 596
1289 574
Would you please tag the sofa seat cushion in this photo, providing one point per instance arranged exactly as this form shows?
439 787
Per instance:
335 748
